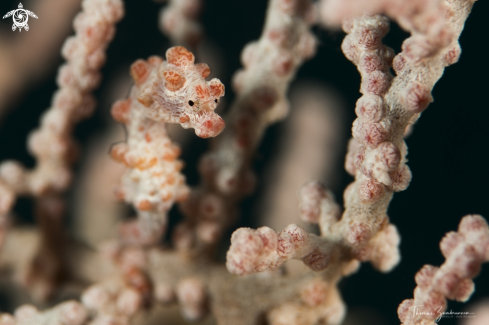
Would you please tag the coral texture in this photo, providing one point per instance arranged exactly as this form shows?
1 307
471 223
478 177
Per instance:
269 65
51 144
179 21
464 251
137 276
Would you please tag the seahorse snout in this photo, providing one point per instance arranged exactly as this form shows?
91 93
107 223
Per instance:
210 127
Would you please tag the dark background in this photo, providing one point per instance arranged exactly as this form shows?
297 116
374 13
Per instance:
448 151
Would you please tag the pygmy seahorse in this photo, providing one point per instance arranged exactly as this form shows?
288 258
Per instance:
171 91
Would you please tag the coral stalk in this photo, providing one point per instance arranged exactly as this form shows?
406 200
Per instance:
376 158
464 251
51 144
178 21
269 66
428 21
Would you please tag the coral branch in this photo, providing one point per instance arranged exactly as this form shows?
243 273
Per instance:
427 20
263 249
51 144
68 313
269 66
31 56
464 251
140 278
342 242
178 21
377 160
376 153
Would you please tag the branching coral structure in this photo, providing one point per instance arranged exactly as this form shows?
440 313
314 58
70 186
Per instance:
269 66
154 264
51 144
464 251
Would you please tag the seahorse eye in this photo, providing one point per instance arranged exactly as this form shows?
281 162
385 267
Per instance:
191 103
216 100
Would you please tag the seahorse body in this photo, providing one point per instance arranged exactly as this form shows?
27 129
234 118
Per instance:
172 91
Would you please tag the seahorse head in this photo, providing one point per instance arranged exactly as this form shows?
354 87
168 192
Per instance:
176 91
